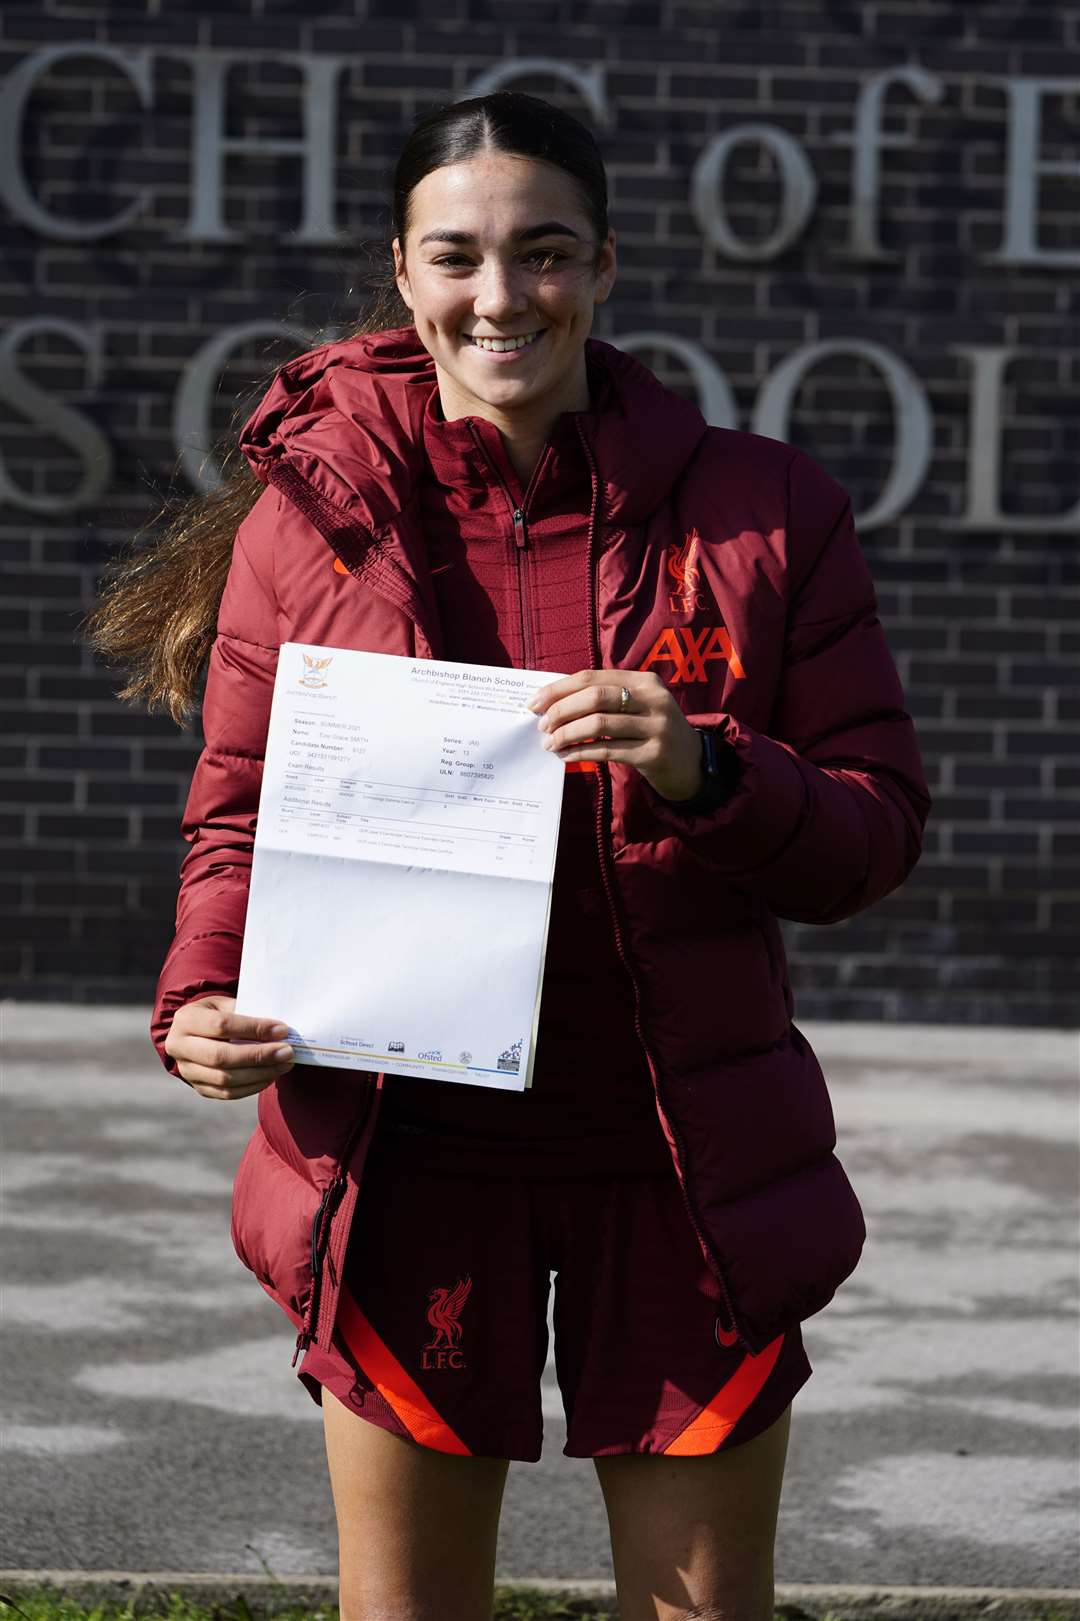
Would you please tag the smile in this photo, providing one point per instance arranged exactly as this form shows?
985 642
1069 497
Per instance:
502 346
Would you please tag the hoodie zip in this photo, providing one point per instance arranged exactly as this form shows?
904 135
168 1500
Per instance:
606 856
320 1236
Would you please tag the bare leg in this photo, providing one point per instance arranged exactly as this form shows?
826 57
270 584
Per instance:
695 1536
417 1528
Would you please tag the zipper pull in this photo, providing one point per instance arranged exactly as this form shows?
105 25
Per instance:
726 1337
315 1223
303 1339
520 534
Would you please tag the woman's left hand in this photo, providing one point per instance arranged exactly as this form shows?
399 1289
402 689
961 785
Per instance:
582 720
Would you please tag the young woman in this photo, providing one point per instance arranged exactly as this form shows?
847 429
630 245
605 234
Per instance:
481 480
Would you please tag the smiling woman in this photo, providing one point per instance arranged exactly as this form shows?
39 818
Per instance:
496 486
501 262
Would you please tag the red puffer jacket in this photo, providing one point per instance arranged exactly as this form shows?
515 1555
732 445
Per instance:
726 562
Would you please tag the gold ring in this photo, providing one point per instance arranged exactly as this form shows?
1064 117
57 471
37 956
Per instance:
624 699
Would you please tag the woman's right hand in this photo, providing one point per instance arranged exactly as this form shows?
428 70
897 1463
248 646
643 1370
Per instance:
226 1055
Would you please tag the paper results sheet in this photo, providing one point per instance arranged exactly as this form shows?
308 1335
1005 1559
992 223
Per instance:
401 876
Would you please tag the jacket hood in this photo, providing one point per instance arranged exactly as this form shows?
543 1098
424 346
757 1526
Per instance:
349 417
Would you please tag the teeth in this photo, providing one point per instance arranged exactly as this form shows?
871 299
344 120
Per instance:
500 345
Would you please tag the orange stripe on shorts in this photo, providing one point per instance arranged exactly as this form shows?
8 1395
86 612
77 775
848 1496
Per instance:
390 1379
716 1421
582 765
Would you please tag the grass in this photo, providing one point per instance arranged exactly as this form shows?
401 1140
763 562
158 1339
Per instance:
511 1604
48 1605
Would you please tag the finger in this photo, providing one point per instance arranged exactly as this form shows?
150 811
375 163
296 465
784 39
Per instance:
216 1018
235 1055
612 750
627 727
601 697
228 1083
545 696
231 1094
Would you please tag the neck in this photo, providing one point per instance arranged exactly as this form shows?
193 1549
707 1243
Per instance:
524 431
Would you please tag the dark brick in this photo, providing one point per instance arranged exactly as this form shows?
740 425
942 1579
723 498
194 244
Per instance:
981 624
78 825
1038 740
996 773
998 706
127 791
994 841
36 790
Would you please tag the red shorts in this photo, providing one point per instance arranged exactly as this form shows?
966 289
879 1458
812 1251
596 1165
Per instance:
442 1330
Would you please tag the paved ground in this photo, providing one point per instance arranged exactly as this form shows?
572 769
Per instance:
936 1442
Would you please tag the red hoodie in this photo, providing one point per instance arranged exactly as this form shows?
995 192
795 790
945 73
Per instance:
728 563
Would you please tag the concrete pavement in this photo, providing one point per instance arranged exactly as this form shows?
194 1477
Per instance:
152 1420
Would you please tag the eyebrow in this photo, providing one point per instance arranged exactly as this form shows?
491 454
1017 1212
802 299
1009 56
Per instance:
463 238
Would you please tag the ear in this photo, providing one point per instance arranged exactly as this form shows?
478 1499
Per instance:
401 275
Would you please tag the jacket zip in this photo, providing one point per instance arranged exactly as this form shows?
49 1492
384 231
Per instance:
337 1183
320 1236
521 546
521 539
604 782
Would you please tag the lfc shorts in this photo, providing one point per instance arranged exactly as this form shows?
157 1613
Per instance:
442 1330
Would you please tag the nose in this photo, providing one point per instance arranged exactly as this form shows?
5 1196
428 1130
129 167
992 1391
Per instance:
500 294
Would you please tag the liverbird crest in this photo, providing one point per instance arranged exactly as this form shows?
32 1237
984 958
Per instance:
444 1311
682 564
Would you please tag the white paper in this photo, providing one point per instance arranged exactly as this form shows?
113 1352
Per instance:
401 876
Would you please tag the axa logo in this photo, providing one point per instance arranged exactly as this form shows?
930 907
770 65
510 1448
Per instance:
444 1313
688 651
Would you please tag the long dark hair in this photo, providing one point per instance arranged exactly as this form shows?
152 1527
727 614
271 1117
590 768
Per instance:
156 613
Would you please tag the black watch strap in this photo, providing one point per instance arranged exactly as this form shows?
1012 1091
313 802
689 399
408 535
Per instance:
719 763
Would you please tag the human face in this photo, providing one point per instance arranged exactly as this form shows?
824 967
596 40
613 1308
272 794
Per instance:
500 247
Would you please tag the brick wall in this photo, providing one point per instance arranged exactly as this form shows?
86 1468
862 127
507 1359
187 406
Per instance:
983 621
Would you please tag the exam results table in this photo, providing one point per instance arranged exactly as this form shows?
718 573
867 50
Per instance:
934 1443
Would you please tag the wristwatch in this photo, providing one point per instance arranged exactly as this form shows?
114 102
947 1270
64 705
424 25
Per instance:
720 764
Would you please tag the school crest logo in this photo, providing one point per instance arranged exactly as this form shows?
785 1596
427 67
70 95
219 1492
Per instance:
682 652
444 1313
313 668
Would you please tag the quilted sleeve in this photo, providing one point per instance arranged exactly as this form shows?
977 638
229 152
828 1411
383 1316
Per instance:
219 817
827 811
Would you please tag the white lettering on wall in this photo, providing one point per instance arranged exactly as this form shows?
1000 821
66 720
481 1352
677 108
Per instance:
14 96
983 509
319 90
866 141
913 423
210 144
798 192
71 427
588 82
198 386
715 397
913 426
1023 171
